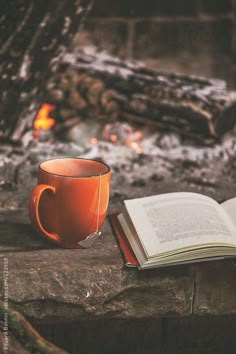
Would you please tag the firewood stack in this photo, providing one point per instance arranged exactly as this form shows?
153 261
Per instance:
95 87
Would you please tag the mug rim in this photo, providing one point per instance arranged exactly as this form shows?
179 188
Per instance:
74 158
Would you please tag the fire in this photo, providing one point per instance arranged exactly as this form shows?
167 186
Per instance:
133 139
43 120
94 140
134 145
113 138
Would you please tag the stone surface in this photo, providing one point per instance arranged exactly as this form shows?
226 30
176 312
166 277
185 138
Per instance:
152 8
182 37
215 288
217 6
50 283
203 334
91 290
107 336
175 335
105 35
204 61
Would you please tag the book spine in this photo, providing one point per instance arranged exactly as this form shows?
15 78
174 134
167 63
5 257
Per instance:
126 250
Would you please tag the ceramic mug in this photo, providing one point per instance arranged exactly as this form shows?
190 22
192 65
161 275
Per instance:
69 203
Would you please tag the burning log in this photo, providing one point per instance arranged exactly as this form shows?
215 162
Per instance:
97 86
32 34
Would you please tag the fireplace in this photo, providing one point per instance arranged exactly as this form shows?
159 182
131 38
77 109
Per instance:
98 106
190 37
163 124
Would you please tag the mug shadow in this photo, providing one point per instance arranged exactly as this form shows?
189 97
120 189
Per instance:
16 237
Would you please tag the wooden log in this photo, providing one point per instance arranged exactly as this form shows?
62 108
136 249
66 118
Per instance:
103 87
32 34
20 335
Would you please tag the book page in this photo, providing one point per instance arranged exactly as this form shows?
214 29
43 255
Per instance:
178 220
229 207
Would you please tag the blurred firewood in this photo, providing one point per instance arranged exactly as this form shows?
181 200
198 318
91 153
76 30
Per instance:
32 32
98 86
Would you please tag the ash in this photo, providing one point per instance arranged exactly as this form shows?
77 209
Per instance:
158 163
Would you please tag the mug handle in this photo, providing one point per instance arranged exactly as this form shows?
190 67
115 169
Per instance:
34 209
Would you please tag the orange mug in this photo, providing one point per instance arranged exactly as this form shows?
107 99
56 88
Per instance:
69 203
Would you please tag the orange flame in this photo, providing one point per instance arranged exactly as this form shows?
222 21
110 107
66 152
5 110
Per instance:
134 145
94 140
113 138
133 141
43 119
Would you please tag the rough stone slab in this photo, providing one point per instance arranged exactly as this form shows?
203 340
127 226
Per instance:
50 283
215 288
109 336
46 282
200 335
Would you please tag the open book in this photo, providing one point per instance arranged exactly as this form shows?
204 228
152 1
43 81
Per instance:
175 228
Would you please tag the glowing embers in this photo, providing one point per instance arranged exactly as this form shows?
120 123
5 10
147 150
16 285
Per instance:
43 121
121 133
94 140
86 132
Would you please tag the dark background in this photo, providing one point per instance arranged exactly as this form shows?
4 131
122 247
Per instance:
186 36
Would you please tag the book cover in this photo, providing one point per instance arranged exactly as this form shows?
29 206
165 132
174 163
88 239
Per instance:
127 252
